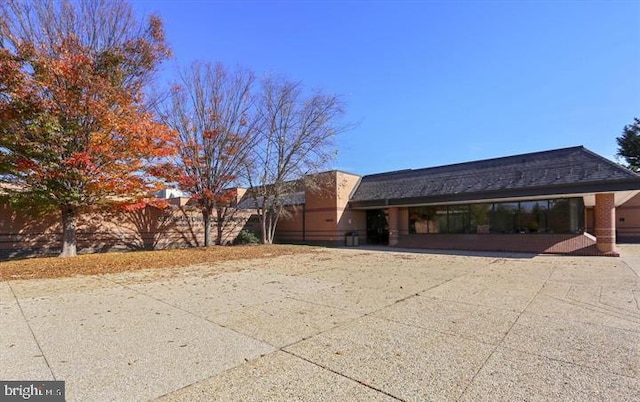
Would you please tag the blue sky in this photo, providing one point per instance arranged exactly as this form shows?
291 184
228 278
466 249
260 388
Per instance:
435 82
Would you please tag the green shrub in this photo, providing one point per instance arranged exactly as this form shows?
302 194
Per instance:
247 237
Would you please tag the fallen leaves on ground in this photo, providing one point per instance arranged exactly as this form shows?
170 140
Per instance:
104 263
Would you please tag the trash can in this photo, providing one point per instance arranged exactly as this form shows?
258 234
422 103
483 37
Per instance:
351 239
348 239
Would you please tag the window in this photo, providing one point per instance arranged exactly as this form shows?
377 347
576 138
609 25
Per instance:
533 216
438 224
458 219
537 216
504 218
422 220
479 218
566 215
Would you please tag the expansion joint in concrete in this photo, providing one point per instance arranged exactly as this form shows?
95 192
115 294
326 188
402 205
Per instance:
33 334
344 375
498 344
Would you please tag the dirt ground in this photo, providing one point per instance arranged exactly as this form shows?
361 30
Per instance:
106 263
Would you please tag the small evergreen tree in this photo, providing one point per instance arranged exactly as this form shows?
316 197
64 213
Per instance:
629 145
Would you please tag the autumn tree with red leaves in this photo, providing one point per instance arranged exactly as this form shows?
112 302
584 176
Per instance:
211 109
74 129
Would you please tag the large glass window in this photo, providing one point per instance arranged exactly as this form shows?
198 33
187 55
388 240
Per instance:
439 219
479 218
537 216
458 221
533 216
423 220
438 222
504 218
566 216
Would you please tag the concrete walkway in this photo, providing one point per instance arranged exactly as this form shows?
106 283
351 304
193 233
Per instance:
336 325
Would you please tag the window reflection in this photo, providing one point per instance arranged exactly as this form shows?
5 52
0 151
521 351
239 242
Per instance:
536 216
533 216
479 218
504 218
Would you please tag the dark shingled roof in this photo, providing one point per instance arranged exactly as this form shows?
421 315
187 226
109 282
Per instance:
247 202
561 171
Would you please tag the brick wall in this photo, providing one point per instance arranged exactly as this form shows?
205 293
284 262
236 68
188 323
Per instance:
605 222
327 218
25 233
574 244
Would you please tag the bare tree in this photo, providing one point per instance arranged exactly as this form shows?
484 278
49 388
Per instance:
107 30
210 108
295 140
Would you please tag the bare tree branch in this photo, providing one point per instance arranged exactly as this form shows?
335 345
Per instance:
295 140
211 108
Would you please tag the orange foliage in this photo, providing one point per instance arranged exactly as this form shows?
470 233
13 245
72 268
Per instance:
80 131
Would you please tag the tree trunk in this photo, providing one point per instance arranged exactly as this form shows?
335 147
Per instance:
263 228
220 216
269 237
272 227
69 218
206 218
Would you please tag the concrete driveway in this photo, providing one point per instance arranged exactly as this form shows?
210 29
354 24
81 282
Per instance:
337 325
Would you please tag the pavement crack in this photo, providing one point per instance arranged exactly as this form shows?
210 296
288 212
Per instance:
555 359
631 269
602 308
600 294
190 312
505 335
344 376
24 316
363 315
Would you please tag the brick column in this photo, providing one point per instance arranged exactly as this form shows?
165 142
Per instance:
605 225
393 226
403 221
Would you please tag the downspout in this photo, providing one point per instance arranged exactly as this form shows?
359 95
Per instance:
304 223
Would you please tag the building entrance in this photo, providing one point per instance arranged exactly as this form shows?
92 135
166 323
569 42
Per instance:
377 227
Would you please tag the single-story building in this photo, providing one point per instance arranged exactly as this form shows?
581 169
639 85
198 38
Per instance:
559 201
564 201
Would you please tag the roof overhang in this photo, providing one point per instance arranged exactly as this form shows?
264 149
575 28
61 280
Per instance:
622 190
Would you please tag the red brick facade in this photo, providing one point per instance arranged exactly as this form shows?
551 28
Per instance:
394 235
605 223
575 244
24 233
